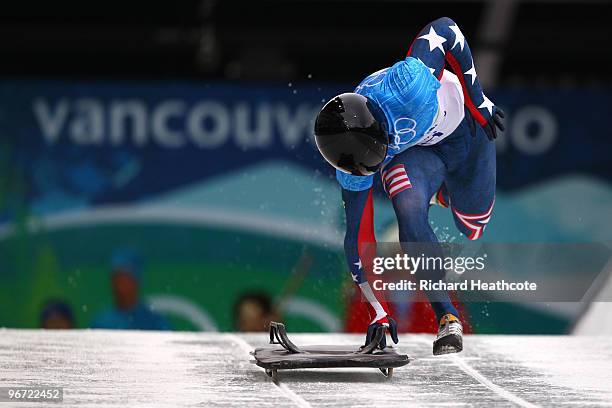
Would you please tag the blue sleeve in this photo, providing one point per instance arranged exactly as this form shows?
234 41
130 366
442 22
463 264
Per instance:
354 183
442 41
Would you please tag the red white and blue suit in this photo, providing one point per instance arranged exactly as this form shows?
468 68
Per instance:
438 121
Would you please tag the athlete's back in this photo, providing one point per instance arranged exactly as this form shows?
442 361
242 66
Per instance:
407 94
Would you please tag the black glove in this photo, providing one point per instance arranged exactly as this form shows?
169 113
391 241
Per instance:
494 122
392 329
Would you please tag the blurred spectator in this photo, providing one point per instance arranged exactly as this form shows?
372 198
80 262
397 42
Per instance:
253 312
129 312
56 314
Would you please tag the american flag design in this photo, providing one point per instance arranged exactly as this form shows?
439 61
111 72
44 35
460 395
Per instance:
475 223
442 42
395 180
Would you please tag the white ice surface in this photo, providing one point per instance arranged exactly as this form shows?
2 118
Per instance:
149 369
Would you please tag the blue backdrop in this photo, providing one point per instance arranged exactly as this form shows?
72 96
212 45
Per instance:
84 143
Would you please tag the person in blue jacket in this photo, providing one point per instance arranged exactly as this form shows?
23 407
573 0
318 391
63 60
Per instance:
129 312
428 132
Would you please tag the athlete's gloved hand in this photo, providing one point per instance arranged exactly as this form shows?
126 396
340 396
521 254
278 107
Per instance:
391 329
494 122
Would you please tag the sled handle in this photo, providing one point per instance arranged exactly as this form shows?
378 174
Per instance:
278 335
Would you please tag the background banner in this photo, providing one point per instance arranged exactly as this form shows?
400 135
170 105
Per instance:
218 187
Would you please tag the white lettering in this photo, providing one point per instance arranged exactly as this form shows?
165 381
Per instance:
87 127
51 122
161 128
173 123
215 135
539 142
292 129
261 133
121 114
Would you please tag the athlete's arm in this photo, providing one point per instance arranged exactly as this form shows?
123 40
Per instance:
356 211
359 211
360 244
357 200
442 41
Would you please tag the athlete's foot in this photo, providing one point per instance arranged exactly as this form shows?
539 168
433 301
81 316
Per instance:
450 336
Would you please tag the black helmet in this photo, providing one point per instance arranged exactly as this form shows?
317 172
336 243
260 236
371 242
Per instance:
350 132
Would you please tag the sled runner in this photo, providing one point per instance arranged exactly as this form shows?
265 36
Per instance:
289 356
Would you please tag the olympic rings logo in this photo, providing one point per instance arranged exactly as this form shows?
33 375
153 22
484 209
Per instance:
403 126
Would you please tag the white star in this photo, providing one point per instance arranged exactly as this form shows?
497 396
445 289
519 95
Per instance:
354 278
471 72
358 264
487 104
459 38
432 70
435 40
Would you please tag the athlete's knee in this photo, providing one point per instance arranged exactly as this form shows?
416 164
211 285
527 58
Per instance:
473 225
414 229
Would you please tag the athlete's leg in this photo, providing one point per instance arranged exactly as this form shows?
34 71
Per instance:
410 180
471 186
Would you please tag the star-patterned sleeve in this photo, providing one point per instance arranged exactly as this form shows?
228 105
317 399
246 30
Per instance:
358 208
360 249
442 41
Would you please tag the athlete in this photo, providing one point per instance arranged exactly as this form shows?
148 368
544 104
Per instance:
428 132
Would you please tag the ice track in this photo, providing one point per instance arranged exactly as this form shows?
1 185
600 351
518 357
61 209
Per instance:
152 369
